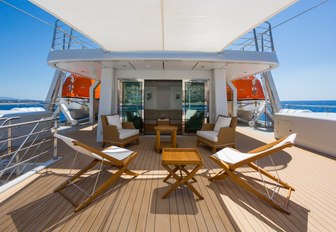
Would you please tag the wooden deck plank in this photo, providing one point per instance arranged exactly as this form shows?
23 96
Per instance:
251 221
112 221
134 202
188 201
147 195
151 216
140 185
161 205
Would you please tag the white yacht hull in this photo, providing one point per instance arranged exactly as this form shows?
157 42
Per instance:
22 115
316 131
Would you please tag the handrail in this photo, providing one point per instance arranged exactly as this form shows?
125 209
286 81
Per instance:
27 123
260 39
34 139
65 38
8 120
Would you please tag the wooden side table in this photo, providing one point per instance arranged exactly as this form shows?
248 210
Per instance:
175 160
160 144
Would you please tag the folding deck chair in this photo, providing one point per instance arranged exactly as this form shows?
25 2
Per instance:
230 159
112 156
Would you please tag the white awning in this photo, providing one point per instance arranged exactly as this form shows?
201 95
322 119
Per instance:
163 25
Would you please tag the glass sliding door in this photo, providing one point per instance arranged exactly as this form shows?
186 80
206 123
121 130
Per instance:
163 102
131 102
195 105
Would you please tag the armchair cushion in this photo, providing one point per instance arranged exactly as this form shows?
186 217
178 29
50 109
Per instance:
114 120
210 135
125 133
222 121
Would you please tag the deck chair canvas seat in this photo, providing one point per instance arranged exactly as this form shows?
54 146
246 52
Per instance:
229 159
112 156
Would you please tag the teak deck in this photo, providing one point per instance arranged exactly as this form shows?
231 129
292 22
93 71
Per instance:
136 204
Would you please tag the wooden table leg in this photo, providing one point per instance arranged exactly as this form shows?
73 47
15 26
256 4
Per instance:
181 181
158 139
173 138
169 175
187 172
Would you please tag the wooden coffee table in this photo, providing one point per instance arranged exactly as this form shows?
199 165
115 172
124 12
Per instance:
161 144
175 160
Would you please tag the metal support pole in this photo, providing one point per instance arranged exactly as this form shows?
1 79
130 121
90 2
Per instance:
234 98
92 112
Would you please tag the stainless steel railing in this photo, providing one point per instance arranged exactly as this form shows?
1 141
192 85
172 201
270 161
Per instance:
25 145
65 38
260 39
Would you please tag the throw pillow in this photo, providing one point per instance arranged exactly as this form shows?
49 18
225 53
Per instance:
114 120
222 122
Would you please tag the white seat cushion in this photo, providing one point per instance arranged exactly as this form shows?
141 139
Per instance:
117 152
222 122
210 135
125 133
114 120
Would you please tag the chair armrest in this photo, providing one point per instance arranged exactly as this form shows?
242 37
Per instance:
226 135
127 125
208 127
110 132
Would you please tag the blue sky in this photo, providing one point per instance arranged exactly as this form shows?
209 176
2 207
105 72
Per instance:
305 47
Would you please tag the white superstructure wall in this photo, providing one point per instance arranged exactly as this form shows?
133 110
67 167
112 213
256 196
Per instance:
218 96
108 98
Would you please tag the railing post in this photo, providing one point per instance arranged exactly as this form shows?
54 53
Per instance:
9 136
70 38
55 139
271 36
63 46
54 36
255 39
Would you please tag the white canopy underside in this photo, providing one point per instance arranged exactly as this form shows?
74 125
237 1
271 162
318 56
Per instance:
163 25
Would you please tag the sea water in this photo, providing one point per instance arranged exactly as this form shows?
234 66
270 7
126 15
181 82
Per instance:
315 106
8 106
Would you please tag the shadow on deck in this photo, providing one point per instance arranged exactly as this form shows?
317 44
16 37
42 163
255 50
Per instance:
135 204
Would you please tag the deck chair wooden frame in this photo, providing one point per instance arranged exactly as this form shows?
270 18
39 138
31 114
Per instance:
230 159
120 158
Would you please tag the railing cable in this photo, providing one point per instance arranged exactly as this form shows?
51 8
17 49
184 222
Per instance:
303 12
48 24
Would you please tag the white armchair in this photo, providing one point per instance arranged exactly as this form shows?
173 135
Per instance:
118 133
218 135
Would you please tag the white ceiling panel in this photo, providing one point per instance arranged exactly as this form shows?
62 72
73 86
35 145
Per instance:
179 65
209 65
163 25
147 65
238 70
123 65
